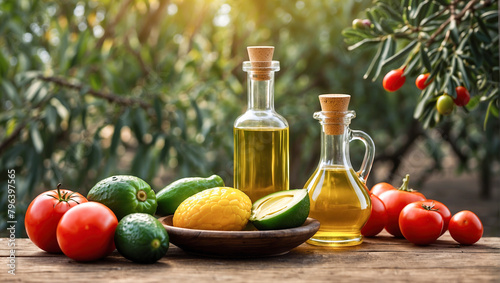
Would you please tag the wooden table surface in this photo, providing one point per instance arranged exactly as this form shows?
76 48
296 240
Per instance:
378 259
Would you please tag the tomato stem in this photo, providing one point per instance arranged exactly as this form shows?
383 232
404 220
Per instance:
63 197
430 207
405 186
59 190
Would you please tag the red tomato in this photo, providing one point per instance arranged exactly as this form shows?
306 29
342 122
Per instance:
465 227
86 232
394 80
43 214
443 210
420 223
395 201
463 96
421 79
377 220
380 188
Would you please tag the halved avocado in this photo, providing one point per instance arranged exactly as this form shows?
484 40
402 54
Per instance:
281 210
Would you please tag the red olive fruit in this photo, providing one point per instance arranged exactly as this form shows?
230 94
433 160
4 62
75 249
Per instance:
394 80
463 96
420 82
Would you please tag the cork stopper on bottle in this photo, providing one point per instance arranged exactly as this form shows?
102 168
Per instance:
334 107
261 58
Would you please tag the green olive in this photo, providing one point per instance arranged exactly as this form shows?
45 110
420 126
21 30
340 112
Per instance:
358 24
445 104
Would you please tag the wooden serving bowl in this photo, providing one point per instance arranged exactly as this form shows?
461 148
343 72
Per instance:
239 244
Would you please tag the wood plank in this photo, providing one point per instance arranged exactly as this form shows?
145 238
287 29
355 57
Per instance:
380 258
26 248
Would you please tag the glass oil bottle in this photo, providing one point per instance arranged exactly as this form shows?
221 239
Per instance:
261 135
339 198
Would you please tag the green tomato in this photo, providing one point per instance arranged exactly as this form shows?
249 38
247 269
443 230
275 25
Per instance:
445 104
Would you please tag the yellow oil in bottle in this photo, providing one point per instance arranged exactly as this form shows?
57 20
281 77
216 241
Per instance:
340 202
261 161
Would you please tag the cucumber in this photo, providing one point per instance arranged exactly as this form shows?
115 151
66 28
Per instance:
124 195
171 196
141 238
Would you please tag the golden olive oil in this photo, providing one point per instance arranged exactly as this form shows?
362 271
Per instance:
261 161
340 202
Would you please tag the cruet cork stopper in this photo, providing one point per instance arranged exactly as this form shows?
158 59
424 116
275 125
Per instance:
333 106
261 58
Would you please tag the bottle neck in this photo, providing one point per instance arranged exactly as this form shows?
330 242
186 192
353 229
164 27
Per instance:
260 93
335 148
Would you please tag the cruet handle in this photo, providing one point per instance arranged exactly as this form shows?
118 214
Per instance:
366 166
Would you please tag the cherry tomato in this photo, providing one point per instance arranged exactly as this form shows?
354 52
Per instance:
86 232
465 227
394 80
445 104
380 188
420 223
377 220
395 201
463 96
443 210
43 214
421 79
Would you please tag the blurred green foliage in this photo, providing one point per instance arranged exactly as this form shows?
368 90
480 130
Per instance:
152 88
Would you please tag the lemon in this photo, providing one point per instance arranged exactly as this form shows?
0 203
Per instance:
220 208
281 210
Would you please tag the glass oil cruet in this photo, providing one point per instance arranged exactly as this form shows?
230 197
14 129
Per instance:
261 135
339 198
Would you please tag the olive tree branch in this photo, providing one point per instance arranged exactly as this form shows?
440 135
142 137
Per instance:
196 25
152 20
6 143
111 97
110 29
456 17
414 132
446 135
137 55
